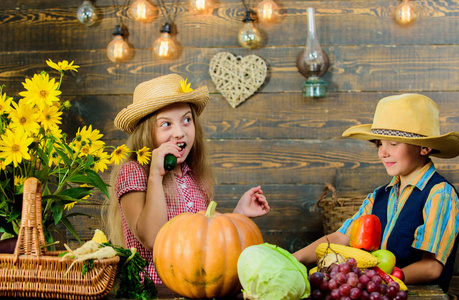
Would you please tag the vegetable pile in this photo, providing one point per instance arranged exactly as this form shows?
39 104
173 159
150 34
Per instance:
131 280
270 272
360 270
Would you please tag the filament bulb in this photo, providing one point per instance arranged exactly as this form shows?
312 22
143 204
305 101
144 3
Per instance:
249 37
142 11
268 11
406 13
164 46
86 13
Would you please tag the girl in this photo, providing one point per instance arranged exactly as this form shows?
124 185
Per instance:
164 117
418 209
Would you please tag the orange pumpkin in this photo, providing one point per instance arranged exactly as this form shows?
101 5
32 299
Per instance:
195 254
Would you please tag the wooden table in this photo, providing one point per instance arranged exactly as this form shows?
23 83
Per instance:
424 292
419 292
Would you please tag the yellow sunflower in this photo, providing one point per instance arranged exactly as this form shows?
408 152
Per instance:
119 154
54 158
24 116
5 104
86 137
70 205
101 160
49 117
19 180
62 65
41 90
143 155
14 147
2 164
185 88
54 131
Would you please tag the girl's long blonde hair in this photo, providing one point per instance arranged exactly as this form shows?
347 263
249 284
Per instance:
142 136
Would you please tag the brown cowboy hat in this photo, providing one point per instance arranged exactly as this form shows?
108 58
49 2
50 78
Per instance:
411 119
149 96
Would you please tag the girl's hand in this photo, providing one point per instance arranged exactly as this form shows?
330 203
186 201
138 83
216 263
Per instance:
253 203
157 157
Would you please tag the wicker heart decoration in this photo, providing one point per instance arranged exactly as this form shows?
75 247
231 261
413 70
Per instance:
236 77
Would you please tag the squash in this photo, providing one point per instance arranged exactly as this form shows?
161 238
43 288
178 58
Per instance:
195 254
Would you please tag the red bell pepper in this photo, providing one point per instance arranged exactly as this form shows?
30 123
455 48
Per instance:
366 233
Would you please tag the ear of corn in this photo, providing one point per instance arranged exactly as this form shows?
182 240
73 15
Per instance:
364 259
313 270
402 285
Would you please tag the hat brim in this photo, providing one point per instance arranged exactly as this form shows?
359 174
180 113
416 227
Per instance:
127 119
446 145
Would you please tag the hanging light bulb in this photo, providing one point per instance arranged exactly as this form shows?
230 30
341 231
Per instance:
313 62
268 11
86 13
164 46
118 49
249 37
200 6
142 11
406 12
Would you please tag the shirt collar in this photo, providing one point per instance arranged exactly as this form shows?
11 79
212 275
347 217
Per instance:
185 168
420 179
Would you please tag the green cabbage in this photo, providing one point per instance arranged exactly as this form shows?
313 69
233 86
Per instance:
268 272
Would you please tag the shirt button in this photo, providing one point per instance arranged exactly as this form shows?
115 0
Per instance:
183 185
190 204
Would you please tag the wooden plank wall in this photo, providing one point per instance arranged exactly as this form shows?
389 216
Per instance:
277 138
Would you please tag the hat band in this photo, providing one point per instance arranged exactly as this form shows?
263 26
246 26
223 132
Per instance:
396 133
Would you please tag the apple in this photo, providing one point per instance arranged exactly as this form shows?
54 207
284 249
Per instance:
397 272
387 260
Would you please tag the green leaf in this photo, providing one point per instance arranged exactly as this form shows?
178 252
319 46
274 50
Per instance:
64 157
77 192
97 181
14 215
79 178
60 197
69 226
42 175
89 161
58 209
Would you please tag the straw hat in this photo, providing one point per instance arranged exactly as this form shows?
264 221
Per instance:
411 119
149 96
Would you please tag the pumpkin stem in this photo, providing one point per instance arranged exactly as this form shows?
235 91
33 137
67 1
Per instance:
211 209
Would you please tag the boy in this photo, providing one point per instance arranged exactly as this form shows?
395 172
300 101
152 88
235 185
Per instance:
418 209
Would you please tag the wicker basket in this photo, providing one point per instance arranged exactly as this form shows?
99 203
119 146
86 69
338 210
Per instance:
34 272
336 210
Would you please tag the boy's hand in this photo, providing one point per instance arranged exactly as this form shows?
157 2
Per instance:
253 203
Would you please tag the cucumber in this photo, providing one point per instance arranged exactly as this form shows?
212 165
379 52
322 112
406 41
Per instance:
170 161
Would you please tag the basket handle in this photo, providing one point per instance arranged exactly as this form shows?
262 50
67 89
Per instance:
31 235
328 187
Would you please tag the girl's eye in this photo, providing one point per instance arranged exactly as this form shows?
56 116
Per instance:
187 120
164 124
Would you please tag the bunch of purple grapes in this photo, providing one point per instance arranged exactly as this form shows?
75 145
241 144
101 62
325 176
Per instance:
346 281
